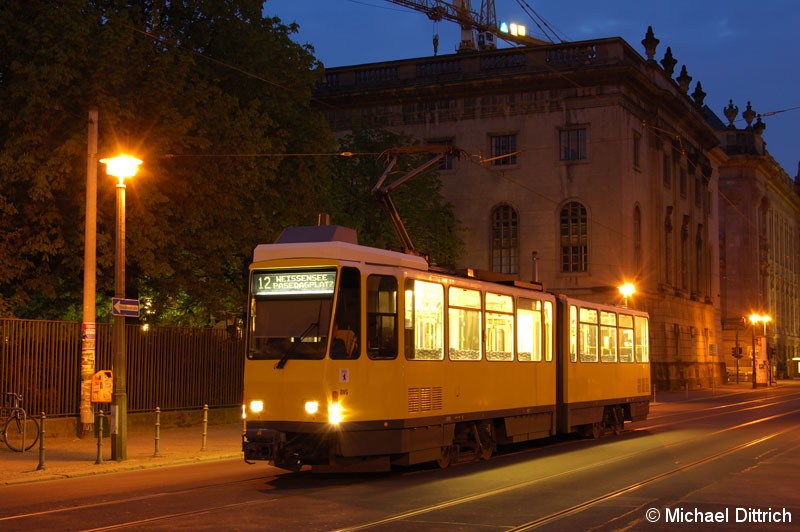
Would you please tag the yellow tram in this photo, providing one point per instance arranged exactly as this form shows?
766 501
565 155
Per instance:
361 358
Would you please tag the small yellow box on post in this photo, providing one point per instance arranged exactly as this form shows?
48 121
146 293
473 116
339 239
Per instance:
102 386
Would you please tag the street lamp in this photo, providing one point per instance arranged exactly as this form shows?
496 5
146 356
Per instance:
627 290
121 167
754 320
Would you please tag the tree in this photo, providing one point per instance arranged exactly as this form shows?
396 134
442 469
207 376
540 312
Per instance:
213 96
428 218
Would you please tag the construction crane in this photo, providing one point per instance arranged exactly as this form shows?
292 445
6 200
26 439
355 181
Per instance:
460 11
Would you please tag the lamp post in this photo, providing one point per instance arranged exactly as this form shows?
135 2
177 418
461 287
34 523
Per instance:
121 167
627 290
754 320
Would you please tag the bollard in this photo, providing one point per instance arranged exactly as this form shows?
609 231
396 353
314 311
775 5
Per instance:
99 459
687 391
41 466
157 452
655 389
205 428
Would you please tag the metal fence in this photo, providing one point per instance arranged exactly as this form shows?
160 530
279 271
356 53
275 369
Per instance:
169 368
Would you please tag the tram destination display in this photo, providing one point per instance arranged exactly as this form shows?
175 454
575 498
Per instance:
293 283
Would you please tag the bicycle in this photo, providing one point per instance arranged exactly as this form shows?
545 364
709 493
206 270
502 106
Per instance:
20 432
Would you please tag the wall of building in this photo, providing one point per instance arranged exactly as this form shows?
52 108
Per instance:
668 174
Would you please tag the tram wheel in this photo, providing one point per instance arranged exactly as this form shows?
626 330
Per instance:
618 421
446 458
487 442
594 431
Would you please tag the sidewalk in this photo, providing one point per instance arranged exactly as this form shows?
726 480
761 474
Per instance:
70 456
67 457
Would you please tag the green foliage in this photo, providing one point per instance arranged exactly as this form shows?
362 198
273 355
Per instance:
189 87
428 219
216 99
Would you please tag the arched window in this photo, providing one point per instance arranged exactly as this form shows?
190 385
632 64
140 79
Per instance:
505 239
574 238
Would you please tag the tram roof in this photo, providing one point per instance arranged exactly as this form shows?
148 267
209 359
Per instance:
337 250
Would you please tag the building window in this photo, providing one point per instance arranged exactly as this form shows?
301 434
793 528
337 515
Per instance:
684 183
698 192
699 277
446 162
573 144
666 170
637 150
505 239
685 253
668 246
503 145
574 238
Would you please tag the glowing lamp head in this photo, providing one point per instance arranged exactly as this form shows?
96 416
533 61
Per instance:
627 289
122 166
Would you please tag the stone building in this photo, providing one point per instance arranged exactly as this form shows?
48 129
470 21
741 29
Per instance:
588 165
759 252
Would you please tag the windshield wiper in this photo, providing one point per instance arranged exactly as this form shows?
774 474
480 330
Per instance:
295 345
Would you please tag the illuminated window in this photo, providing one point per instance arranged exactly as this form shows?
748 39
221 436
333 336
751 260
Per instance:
464 322
548 331
573 333
626 338
641 339
587 345
608 336
424 320
529 330
499 327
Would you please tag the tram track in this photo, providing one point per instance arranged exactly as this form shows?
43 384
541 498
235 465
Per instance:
281 497
554 516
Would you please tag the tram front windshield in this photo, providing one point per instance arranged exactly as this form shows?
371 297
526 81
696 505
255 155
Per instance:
290 313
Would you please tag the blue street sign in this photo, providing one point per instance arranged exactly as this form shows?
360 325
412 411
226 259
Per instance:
125 307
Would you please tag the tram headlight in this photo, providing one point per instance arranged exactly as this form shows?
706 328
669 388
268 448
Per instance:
312 407
256 406
334 413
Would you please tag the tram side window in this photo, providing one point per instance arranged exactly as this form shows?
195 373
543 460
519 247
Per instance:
499 327
625 338
588 335
608 336
529 330
548 331
347 320
424 320
464 324
381 317
641 339
573 333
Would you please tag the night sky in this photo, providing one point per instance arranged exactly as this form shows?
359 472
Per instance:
738 50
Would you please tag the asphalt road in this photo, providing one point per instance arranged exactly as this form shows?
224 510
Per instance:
730 460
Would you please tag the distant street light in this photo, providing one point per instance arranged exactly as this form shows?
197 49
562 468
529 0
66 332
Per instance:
121 167
627 290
